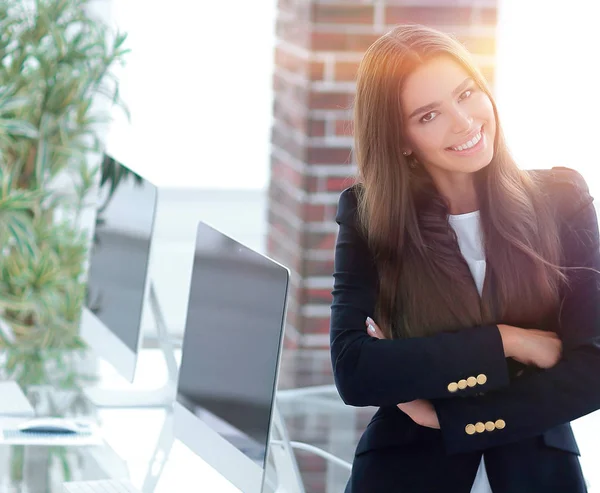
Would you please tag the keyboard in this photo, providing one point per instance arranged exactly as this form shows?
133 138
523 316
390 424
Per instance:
102 486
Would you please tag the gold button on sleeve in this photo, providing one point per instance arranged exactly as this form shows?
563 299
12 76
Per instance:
452 387
462 384
481 379
470 429
479 427
500 424
471 381
490 426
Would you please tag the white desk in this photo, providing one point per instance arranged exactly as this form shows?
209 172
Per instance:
137 444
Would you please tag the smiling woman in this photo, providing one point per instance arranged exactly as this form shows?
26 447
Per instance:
459 303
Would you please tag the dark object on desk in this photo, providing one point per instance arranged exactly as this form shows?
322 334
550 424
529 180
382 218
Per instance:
59 426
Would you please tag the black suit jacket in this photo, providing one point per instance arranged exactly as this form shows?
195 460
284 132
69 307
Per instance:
530 413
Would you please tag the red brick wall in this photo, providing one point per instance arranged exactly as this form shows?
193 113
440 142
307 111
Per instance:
319 46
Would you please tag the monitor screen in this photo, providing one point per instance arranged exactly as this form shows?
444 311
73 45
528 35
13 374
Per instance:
232 340
119 256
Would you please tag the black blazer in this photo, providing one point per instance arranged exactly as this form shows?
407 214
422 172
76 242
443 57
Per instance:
528 442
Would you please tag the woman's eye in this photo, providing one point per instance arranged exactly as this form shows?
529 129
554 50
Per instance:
466 94
428 117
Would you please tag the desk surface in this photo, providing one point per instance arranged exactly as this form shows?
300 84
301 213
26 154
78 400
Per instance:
137 444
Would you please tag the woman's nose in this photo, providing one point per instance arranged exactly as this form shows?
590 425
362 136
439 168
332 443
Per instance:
462 121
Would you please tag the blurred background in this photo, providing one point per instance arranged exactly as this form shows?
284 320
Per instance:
246 105
240 112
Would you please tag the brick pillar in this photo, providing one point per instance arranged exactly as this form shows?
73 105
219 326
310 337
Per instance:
319 46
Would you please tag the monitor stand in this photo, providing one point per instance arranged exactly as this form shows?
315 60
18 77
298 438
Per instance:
160 397
288 478
160 455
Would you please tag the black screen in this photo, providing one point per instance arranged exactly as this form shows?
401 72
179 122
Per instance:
119 257
232 340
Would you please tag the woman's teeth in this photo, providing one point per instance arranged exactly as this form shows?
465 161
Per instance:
469 144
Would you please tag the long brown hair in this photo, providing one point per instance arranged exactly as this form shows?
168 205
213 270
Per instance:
425 285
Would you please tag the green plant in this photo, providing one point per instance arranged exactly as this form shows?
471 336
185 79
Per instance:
55 64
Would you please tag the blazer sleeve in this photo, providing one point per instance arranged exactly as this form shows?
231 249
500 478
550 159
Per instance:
543 399
373 372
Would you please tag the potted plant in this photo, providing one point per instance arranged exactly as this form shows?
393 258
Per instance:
55 73
56 64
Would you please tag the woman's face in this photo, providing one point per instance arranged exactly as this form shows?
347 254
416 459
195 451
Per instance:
449 120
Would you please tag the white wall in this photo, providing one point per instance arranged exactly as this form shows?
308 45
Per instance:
198 84
547 85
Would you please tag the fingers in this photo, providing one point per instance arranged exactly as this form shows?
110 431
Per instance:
373 329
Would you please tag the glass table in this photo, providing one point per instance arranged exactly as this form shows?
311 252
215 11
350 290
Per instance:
136 443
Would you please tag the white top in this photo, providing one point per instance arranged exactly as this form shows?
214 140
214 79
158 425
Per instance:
470 241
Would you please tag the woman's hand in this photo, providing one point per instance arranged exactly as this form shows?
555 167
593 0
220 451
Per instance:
420 411
531 346
373 329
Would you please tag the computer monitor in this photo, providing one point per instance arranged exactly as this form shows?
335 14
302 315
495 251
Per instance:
117 278
230 357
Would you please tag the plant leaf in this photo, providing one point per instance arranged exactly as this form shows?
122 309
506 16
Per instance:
18 128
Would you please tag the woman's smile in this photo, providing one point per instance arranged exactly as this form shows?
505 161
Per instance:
471 145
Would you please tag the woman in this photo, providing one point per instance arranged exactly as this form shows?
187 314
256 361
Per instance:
465 302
